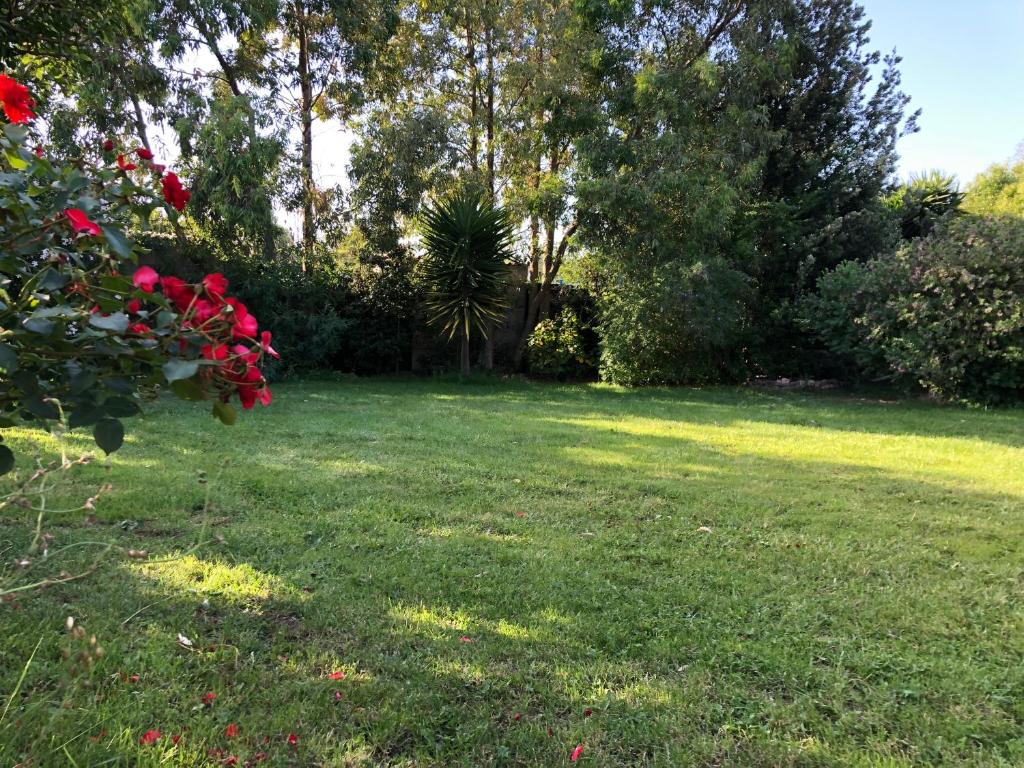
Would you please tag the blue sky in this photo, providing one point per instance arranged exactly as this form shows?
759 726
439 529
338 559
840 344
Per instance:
963 66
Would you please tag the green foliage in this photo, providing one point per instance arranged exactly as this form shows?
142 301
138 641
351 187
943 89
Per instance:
997 191
680 324
558 348
69 352
467 242
233 170
923 201
946 312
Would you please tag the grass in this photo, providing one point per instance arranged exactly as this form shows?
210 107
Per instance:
504 572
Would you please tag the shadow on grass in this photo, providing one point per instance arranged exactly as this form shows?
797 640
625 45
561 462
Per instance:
833 611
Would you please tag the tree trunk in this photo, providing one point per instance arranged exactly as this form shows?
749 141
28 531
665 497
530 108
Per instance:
474 139
464 369
489 41
306 87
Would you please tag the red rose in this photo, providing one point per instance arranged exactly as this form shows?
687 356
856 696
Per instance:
16 100
140 328
150 737
174 193
124 165
145 278
79 221
265 345
108 145
215 284
133 306
245 328
177 291
144 153
205 309
210 352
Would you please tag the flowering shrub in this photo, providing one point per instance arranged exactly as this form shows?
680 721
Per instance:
944 313
84 332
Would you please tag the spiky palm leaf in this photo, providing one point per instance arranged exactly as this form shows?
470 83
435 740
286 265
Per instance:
468 241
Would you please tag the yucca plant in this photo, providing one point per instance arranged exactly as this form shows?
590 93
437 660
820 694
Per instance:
468 241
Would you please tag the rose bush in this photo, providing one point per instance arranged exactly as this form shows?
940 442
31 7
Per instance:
85 333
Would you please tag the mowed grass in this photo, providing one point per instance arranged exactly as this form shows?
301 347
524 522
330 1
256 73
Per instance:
505 571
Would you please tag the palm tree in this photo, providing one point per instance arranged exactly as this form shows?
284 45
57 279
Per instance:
468 241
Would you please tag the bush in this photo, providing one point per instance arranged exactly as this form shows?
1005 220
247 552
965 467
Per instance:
677 324
358 319
558 348
945 313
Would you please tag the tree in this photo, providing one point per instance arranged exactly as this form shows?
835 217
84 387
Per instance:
828 127
999 190
331 47
467 242
923 201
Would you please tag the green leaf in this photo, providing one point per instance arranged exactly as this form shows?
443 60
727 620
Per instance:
117 241
17 162
108 434
41 408
225 412
82 381
121 407
39 325
6 460
116 322
8 358
51 280
82 417
176 369
188 389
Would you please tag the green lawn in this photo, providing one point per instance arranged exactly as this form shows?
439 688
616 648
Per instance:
506 571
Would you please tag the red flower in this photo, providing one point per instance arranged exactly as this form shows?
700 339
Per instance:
233 760
465 639
175 739
215 284
133 307
247 397
245 327
264 396
80 222
339 675
16 100
139 328
145 278
210 352
576 754
124 165
588 712
265 344
150 737
205 309
231 731
178 291
157 168
39 150
144 153
293 739
108 145
209 697
174 193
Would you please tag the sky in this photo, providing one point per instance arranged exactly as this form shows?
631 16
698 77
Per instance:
963 66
